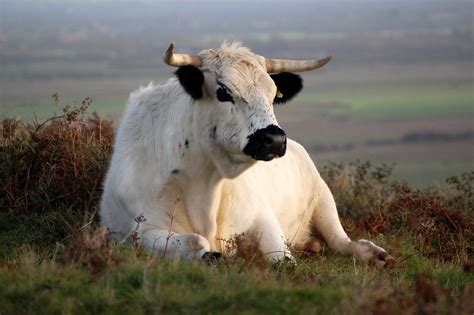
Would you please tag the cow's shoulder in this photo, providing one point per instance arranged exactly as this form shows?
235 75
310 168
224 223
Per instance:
299 159
299 153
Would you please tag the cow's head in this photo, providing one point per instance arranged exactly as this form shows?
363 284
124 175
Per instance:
235 90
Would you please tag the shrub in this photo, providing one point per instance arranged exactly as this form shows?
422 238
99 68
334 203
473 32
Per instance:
358 187
439 220
51 173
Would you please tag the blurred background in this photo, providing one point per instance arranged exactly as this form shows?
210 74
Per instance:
399 92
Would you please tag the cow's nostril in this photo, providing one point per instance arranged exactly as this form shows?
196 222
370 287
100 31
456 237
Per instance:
276 144
268 140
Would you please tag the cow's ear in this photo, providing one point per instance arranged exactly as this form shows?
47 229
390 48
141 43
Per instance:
288 85
191 79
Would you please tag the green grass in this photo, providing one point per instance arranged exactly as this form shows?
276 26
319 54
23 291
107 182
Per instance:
140 283
384 101
371 101
427 173
28 112
63 69
419 174
144 284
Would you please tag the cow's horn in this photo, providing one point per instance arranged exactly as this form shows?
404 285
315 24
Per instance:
179 60
282 65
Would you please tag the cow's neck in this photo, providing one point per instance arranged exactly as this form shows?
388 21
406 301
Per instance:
202 198
200 182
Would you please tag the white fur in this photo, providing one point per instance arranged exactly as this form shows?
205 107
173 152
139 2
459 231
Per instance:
196 188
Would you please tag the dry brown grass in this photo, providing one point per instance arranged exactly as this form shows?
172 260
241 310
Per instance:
428 297
51 175
62 160
440 220
90 248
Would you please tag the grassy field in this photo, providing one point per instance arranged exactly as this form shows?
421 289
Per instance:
140 283
436 171
397 102
55 259
368 101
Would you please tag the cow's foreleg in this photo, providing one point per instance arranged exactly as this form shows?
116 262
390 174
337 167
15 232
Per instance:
169 244
326 221
270 239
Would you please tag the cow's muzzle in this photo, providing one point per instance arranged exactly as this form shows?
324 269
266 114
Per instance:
266 144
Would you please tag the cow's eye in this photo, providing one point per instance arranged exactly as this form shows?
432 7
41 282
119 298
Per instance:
223 94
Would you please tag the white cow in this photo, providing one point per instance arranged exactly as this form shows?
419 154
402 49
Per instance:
202 159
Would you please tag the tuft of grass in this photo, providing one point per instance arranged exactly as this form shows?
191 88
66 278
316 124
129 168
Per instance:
89 248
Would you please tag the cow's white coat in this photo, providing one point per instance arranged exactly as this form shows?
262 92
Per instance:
179 163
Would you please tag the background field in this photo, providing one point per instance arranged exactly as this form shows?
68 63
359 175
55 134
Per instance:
400 90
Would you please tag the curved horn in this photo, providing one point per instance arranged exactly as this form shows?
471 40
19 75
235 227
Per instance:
179 60
283 65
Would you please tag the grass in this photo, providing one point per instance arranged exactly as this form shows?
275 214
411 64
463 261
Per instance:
419 174
109 94
141 283
429 173
371 100
153 285
55 259
41 111
396 101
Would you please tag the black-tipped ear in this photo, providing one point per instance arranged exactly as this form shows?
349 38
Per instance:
191 79
288 85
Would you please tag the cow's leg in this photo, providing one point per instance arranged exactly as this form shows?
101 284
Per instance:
157 232
169 244
326 221
270 238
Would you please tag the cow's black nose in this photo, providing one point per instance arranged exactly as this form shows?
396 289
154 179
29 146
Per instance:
274 143
267 143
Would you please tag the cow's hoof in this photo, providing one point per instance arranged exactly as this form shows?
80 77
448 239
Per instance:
284 263
383 260
372 254
211 258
